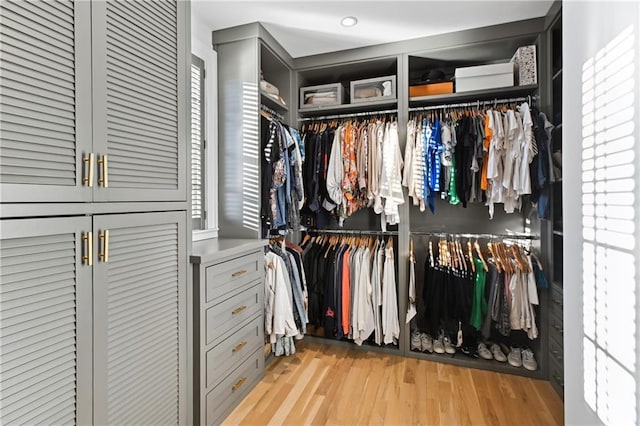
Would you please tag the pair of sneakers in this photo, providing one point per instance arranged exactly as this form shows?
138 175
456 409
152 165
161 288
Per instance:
443 345
421 342
522 357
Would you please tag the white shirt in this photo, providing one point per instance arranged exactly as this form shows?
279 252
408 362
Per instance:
278 318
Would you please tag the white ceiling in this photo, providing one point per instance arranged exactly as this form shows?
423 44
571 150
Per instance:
311 27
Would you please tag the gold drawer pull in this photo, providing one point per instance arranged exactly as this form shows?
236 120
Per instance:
88 179
104 254
238 309
238 383
239 273
239 346
104 179
87 257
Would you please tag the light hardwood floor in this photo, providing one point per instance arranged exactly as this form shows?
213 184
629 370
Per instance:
327 385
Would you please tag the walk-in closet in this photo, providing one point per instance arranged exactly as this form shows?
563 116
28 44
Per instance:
263 213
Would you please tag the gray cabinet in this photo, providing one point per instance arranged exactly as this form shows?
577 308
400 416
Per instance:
90 105
140 57
94 109
139 311
45 306
228 279
45 108
103 343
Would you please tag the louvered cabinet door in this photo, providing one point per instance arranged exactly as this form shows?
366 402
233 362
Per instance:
139 319
45 107
45 322
140 61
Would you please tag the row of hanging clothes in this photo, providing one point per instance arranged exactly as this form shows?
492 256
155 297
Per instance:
286 297
494 155
467 292
351 164
351 280
282 159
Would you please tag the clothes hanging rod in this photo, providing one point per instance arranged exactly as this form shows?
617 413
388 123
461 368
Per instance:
274 113
477 103
466 235
350 115
350 232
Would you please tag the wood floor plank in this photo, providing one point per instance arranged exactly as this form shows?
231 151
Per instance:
334 385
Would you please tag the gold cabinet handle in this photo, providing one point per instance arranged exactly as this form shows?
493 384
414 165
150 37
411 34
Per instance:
104 237
88 178
239 273
87 257
238 309
104 180
239 346
238 384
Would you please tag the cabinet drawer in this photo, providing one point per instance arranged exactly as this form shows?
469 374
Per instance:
224 397
556 328
556 375
234 311
230 352
556 352
235 274
556 300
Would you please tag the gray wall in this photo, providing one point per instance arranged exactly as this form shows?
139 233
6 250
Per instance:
599 301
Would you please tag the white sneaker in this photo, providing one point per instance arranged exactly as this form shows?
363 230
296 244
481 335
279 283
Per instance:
415 341
528 361
515 357
437 346
484 352
426 343
497 353
448 347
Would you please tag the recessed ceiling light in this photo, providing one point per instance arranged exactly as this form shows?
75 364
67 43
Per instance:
349 21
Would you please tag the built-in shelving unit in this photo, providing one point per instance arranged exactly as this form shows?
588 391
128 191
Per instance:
487 95
554 70
271 102
349 108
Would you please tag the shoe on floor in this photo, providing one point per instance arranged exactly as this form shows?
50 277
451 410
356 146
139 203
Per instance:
515 356
497 353
484 352
448 347
469 351
426 343
415 341
438 347
528 361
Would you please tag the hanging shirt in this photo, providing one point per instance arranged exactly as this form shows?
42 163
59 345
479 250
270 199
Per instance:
390 182
390 322
411 305
279 319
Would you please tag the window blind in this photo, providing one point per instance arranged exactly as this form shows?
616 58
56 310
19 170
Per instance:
198 212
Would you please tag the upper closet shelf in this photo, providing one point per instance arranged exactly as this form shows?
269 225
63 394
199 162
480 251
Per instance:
481 95
273 103
362 106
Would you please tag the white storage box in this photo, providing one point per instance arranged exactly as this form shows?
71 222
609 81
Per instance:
373 89
484 77
526 65
315 97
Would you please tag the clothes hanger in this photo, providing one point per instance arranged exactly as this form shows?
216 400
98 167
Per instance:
480 256
431 253
494 256
470 254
